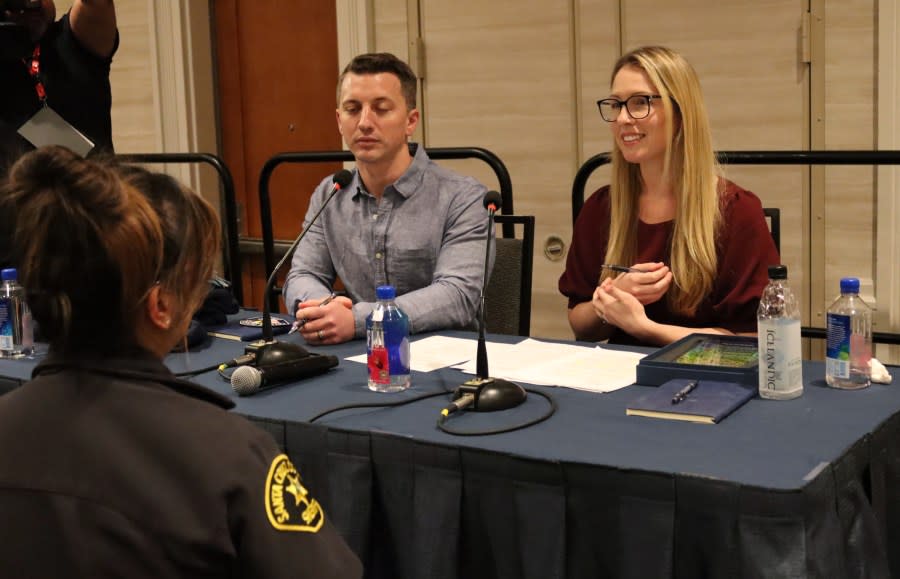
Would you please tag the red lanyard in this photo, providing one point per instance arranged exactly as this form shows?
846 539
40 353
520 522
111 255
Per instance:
35 71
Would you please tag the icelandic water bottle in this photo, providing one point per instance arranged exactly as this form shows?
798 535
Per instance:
778 327
16 329
387 343
849 341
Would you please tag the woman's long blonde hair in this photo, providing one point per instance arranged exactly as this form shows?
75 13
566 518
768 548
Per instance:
691 168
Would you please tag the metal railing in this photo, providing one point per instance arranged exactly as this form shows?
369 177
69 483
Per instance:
436 153
229 216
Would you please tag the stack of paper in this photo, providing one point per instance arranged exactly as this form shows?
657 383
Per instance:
597 369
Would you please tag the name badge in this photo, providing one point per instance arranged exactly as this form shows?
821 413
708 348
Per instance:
46 127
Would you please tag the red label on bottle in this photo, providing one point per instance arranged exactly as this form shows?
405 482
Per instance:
379 371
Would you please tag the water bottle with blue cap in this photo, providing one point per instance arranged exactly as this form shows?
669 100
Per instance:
16 328
387 343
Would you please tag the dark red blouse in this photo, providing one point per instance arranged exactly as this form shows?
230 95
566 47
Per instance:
745 250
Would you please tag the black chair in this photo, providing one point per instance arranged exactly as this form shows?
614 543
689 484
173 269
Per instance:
437 153
508 294
765 158
773 217
229 215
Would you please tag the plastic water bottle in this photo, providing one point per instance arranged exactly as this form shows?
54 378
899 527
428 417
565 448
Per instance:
778 326
849 342
16 329
387 343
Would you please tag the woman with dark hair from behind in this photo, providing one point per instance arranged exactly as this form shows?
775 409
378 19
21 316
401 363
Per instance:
112 466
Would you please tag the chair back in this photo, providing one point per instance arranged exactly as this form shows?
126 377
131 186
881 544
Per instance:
508 294
774 215
773 219
271 257
228 207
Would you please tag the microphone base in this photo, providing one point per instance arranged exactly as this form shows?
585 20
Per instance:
492 394
273 352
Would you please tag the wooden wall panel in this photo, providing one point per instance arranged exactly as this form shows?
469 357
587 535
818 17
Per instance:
500 76
597 49
135 120
391 34
521 78
748 58
850 88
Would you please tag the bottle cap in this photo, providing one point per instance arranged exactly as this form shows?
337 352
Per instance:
849 285
9 274
777 272
385 292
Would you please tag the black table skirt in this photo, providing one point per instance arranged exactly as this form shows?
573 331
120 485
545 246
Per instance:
589 493
421 510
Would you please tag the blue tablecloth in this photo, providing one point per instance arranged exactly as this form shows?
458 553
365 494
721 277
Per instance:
800 488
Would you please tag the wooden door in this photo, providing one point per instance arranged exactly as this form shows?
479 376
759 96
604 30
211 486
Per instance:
277 71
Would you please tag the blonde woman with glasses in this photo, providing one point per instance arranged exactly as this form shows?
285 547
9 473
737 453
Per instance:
670 247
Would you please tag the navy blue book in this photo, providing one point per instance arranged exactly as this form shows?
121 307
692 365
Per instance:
706 401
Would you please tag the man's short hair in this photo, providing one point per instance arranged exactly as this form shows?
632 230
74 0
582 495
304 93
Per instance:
379 62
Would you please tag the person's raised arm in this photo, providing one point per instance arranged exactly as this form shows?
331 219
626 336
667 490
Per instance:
93 23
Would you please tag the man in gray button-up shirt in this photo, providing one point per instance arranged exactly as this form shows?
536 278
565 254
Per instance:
403 220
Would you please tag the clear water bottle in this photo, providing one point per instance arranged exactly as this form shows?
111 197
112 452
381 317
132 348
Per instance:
778 326
16 328
849 341
387 343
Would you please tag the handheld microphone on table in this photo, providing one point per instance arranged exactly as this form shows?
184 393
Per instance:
248 380
269 352
483 393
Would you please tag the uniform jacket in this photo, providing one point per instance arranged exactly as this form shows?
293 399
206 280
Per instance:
119 469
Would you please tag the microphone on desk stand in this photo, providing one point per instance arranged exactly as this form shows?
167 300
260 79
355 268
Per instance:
288 357
483 393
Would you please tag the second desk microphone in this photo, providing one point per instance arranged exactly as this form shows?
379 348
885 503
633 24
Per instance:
247 380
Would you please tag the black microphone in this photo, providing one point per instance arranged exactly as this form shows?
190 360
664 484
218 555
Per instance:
248 380
267 350
483 393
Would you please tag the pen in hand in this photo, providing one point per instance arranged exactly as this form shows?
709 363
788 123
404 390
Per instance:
299 323
622 268
683 393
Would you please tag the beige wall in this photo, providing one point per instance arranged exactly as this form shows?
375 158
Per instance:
132 76
136 127
161 79
521 77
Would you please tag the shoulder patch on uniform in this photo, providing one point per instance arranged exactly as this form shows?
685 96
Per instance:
288 504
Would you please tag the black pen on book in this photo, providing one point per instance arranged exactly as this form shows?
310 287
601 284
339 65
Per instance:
622 268
683 393
299 323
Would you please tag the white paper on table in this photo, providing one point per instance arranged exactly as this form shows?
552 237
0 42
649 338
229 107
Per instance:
433 352
596 369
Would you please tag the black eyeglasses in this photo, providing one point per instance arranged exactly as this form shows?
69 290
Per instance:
638 107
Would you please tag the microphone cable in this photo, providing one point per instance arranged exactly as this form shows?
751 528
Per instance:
453 408
239 361
376 404
445 413
192 373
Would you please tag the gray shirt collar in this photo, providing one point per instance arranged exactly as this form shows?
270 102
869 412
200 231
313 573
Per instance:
411 179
